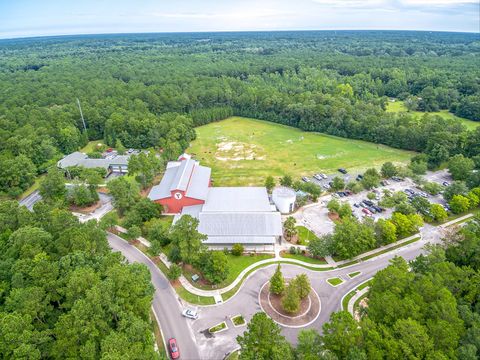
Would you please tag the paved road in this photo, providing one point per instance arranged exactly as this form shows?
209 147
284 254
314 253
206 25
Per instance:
165 301
198 345
105 207
30 200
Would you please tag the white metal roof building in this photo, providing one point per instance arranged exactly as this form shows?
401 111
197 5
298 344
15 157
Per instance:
117 163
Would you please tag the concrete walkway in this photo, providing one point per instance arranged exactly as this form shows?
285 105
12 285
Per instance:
425 232
355 297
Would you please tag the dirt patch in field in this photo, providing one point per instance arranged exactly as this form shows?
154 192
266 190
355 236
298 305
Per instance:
236 151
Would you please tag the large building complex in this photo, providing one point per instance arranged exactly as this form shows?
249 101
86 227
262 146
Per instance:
112 163
227 215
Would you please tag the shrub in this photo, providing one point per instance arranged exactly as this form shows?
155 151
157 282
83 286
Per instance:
291 300
237 249
174 272
292 250
277 282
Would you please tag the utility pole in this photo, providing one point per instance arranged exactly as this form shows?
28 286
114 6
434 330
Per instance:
81 114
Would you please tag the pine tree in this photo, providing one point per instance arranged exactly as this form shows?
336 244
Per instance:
291 300
277 282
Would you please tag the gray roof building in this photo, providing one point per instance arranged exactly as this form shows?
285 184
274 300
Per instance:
187 175
80 159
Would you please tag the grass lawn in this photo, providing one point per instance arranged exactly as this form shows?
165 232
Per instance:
305 235
353 274
158 335
303 258
335 281
233 356
238 320
218 327
236 265
32 188
244 151
91 146
347 298
398 106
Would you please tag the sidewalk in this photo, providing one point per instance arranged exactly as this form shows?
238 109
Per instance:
355 297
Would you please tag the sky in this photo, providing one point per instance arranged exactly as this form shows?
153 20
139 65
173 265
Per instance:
24 18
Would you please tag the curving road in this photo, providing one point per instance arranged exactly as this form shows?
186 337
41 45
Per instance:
165 303
196 343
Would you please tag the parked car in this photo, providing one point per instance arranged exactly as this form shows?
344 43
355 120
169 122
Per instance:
368 202
385 183
348 192
356 205
359 177
445 183
377 208
173 349
190 313
341 194
305 179
366 211
372 209
326 186
318 177
342 170
323 176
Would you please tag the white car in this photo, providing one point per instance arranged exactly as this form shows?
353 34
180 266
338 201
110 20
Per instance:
190 313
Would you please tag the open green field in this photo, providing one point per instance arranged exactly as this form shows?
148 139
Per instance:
398 106
244 151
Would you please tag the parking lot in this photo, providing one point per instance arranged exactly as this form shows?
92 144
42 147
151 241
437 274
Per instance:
315 216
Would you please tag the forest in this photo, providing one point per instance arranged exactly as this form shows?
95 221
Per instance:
151 90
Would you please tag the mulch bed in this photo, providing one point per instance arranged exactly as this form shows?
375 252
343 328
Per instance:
276 302
289 320
333 216
86 210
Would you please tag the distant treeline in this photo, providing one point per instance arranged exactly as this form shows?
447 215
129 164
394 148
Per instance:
152 89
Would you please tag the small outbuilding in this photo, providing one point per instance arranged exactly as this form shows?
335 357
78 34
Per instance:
284 199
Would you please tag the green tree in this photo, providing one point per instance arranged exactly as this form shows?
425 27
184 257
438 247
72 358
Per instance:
145 166
277 282
351 238
345 210
291 298
386 231
459 204
109 220
263 341
309 346
421 204
302 284
269 183
333 206
432 188
320 247
52 188
237 249
134 232
438 213
456 188
187 239
286 181
125 194
388 170
215 269
371 178
406 224
119 147
290 228
460 167
174 272
341 334
337 184
418 167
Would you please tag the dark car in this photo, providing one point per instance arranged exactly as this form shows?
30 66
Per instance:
372 209
378 208
368 202
173 348
356 205
342 170
359 177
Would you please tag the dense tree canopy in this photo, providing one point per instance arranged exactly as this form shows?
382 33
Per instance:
65 294
150 90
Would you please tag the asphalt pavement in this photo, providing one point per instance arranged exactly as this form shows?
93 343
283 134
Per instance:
165 301
193 338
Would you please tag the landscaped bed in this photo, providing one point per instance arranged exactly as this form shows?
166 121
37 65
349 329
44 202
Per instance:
304 235
335 281
353 274
304 258
236 265
238 320
217 328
